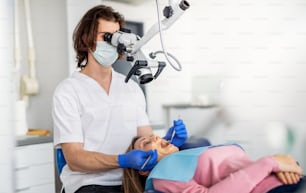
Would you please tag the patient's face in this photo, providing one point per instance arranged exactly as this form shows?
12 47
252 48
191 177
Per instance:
162 146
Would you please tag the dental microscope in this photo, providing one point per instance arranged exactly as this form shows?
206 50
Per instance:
130 44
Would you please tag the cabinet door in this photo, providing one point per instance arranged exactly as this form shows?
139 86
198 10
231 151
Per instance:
35 168
34 154
45 188
34 175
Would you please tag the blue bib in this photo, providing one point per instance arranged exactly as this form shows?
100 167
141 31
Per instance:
179 166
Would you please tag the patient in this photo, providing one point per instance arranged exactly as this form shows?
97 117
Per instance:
217 169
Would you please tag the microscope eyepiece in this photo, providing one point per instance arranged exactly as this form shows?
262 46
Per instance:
108 37
126 30
184 5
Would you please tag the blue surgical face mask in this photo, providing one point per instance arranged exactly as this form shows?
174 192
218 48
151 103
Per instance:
105 54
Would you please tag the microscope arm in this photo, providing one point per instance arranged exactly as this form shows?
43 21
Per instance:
178 10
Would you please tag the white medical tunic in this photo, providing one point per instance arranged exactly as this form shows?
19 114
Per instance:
83 112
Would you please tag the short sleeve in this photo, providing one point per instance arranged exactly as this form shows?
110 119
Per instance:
66 115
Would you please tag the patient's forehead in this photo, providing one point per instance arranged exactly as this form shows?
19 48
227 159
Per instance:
138 142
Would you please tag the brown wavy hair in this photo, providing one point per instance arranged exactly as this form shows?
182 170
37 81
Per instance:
133 182
85 33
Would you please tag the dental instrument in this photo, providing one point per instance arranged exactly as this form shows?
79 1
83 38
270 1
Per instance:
172 136
173 133
131 44
145 163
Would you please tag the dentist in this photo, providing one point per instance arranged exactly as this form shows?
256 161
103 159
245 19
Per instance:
96 114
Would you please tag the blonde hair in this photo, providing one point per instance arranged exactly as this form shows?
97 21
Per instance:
133 182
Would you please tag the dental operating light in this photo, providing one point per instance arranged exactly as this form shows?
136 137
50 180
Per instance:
130 44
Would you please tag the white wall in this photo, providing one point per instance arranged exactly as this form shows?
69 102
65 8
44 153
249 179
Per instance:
75 10
6 96
49 26
259 48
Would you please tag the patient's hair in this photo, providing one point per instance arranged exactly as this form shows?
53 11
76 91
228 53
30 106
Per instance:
133 182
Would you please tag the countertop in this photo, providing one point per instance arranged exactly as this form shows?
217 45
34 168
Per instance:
32 139
22 140
188 105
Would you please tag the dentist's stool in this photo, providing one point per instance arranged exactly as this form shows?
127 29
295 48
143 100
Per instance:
60 160
60 163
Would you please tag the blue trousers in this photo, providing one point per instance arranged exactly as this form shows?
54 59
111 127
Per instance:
294 188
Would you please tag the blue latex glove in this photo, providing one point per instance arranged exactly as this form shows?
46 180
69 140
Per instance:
136 158
180 136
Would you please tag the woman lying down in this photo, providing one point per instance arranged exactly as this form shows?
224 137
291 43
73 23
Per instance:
211 169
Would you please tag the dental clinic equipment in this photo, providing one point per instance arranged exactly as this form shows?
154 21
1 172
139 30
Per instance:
29 85
172 136
20 123
145 163
173 132
131 44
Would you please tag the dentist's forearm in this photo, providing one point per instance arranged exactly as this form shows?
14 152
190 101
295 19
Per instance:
81 160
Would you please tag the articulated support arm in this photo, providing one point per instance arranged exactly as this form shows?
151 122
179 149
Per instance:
131 44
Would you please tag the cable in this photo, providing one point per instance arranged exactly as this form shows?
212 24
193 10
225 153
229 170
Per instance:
179 66
153 55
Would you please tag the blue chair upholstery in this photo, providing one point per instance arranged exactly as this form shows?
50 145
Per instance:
60 160
193 142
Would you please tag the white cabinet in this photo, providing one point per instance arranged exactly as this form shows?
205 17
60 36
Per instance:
35 168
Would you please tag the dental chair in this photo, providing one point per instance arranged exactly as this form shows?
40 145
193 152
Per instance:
192 142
